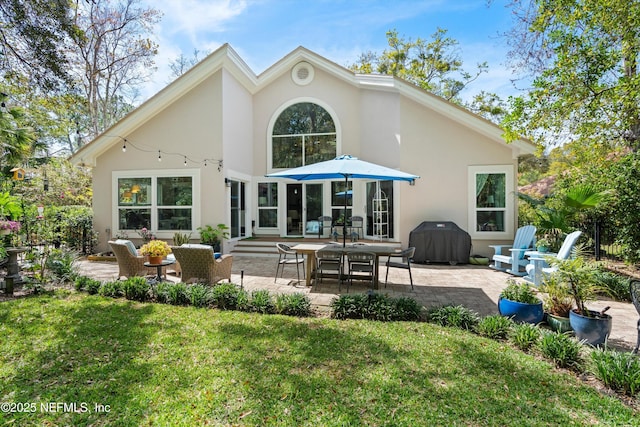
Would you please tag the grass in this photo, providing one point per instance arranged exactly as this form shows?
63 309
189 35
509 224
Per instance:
156 364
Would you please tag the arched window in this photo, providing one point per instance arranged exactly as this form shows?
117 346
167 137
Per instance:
304 133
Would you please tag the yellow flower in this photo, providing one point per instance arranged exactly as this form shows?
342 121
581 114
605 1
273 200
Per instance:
155 248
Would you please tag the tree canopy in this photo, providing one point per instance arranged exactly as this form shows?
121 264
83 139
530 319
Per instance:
35 37
583 58
434 65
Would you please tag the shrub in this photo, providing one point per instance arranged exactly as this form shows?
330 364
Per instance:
84 283
113 289
62 264
349 306
619 371
297 304
453 316
199 295
615 286
562 349
495 327
406 309
229 296
136 289
261 302
93 286
160 291
525 335
80 283
177 294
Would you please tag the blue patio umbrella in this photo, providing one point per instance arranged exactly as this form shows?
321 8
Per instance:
347 167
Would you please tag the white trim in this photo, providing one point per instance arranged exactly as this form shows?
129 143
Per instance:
289 103
510 202
248 194
154 174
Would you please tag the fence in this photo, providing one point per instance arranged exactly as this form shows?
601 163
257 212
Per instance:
604 243
78 237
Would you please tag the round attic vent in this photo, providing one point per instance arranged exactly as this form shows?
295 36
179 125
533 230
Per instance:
302 73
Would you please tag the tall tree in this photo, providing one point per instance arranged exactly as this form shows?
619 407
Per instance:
583 58
182 64
433 65
17 139
34 38
114 57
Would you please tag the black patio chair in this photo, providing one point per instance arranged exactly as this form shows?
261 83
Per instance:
634 289
329 264
405 263
361 266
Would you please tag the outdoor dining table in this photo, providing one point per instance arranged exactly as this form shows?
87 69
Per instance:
309 249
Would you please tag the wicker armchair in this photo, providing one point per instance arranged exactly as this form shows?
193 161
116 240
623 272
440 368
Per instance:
129 264
199 265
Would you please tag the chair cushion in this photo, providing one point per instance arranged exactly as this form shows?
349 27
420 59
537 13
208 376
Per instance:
129 244
313 226
196 245
217 255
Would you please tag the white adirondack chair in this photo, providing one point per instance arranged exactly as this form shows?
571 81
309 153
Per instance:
523 241
538 266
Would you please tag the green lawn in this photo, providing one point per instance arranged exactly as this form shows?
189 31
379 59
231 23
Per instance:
159 365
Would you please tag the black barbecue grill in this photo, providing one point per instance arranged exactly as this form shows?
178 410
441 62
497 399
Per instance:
440 241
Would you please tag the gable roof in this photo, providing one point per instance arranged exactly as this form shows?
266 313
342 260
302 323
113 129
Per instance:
227 58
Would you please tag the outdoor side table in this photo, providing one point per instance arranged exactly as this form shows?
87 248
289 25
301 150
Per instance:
159 267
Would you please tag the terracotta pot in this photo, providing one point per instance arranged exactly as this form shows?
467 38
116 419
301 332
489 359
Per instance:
155 259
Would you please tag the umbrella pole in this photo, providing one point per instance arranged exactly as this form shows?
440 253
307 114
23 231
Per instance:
344 222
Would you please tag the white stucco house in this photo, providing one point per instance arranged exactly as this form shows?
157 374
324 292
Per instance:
198 151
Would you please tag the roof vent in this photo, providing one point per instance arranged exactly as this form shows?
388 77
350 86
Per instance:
302 73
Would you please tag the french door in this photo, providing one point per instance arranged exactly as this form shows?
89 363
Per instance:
303 207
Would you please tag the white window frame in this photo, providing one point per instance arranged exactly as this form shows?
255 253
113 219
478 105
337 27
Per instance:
288 104
510 202
154 174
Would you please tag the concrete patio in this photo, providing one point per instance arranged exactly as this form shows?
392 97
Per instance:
475 287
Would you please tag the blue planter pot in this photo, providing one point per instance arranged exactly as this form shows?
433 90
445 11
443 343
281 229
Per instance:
594 330
521 312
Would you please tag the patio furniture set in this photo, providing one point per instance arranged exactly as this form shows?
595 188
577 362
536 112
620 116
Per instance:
192 262
525 261
346 263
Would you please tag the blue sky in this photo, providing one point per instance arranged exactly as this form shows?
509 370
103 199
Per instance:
264 31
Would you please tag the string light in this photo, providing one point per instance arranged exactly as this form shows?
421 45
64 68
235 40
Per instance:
128 144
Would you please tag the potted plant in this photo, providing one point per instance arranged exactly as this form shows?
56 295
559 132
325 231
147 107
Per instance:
8 226
557 304
155 250
581 281
213 236
519 302
180 239
543 245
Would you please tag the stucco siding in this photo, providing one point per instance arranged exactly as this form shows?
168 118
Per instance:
440 151
190 126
